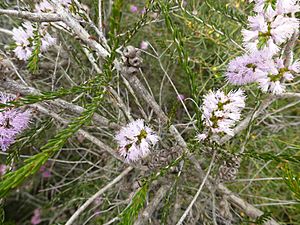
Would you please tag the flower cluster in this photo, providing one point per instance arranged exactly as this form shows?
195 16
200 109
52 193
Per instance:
271 26
276 73
221 111
248 68
269 29
12 122
135 140
25 39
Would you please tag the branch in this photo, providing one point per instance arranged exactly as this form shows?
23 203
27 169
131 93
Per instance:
186 212
152 206
84 133
13 86
249 209
96 195
79 30
36 17
289 95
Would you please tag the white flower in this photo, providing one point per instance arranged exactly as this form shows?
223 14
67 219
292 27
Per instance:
287 6
221 111
282 28
45 6
278 7
295 66
135 140
22 37
277 73
47 41
248 68
201 137
268 30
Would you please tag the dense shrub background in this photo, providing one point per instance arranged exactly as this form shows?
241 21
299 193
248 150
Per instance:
209 33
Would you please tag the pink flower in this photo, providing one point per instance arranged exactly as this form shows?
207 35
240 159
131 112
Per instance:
25 43
135 140
12 122
47 41
3 168
180 97
133 8
144 45
36 218
22 36
143 11
45 172
221 111
277 73
201 137
270 28
248 68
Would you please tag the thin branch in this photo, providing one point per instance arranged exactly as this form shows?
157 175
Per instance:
36 17
79 30
198 192
13 86
152 206
96 195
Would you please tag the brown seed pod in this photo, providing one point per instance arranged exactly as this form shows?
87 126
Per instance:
130 51
136 61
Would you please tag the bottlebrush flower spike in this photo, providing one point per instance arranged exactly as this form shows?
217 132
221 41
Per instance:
135 140
271 26
277 73
221 111
22 37
279 6
12 122
248 68
267 32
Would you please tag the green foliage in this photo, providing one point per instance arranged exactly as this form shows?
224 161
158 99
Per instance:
32 165
131 212
114 23
169 200
33 62
49 95
267 156
226 10
292 179
142 21
183 55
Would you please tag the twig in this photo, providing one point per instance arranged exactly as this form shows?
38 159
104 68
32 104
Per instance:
152 206
96 195
79 30
198 192
36 17
249 209
13 86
